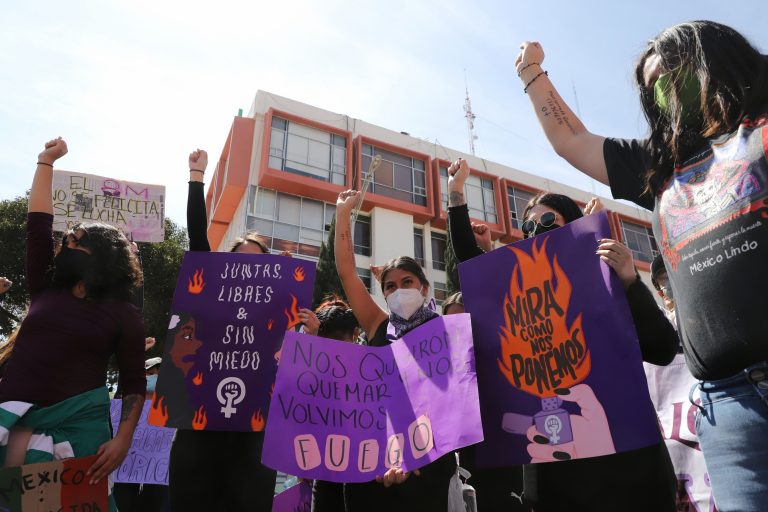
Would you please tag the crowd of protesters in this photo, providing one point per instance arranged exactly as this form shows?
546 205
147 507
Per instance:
701 170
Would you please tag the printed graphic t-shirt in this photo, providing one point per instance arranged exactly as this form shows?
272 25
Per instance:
710 220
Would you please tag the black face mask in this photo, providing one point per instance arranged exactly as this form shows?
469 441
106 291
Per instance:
70 266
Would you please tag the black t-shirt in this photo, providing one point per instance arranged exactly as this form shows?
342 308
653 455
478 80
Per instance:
710 220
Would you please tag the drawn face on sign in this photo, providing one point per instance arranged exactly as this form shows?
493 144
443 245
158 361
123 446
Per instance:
185 346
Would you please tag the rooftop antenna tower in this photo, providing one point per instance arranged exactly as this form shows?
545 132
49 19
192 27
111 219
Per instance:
470 116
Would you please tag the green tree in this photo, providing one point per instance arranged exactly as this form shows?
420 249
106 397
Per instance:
161 263
327 280
451 267
13 224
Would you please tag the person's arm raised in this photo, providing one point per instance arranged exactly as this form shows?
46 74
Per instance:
565 131
367 312
197 223
41 194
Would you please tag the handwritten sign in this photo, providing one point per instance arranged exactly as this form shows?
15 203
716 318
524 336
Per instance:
296 499
347 413
228 317
147 459
136 208
57 485
559 365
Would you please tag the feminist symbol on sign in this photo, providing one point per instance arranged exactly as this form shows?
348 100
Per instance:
233 390
553 427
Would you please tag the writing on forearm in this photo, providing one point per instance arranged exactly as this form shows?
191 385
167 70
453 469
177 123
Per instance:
129 403
555 109
456 199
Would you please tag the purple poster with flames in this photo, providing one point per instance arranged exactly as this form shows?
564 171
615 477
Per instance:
228 317
559 366
346 413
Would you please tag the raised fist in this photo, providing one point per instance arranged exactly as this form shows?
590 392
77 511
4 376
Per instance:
54 149
198 160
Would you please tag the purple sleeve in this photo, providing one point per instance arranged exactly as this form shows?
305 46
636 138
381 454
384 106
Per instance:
130 353
39 255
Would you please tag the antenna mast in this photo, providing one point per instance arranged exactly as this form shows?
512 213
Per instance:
470 117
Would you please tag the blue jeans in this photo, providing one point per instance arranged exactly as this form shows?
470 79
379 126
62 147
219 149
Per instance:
732 426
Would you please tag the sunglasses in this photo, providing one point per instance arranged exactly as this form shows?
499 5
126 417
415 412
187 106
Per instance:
546 220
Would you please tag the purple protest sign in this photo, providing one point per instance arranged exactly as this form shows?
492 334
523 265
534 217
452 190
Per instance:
346 413
557 352
228 317
296 499
147 459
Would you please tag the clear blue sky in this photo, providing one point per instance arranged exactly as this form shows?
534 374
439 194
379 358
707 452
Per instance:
134 86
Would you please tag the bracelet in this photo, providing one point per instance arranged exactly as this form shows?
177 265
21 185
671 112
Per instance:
533 80
197 170
43 163
526 67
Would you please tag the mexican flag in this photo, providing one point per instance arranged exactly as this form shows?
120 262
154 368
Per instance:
58 486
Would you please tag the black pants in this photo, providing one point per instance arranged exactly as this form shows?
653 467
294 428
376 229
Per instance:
219 471
138 498
327 496
494 486
425 493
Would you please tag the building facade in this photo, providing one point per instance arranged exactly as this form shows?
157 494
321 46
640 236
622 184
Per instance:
284 164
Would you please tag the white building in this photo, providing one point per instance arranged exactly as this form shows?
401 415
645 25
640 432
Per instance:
283 165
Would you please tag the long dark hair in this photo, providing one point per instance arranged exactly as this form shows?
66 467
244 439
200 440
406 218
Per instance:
404 263
732 76
563 205
336 318
114 270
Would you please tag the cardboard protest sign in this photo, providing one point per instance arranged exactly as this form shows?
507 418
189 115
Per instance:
228 317
296 499
56 485
669 387
136 208
147 459
557 353
346 413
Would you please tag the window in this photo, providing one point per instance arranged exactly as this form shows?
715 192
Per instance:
640 241
399 177
518 199
362 236
365 275
307 151
289 223
440 292
418 246
478 192
439 242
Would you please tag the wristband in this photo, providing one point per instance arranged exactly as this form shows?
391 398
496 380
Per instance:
43 163
196 170
533 80
526 67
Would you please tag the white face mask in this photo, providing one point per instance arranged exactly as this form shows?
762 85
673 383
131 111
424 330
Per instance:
404 302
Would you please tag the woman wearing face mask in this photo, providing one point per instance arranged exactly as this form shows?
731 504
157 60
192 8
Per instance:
405 289
600 483
703 172
79 315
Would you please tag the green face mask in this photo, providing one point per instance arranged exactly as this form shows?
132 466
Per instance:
688 95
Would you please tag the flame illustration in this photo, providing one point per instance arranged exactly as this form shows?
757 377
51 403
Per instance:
271 390
200 420
539 352
158 412
293 313
196 283
298 274
198 379
269 324
257 421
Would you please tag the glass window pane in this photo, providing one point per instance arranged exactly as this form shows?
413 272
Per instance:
263 227
489 200
403 177
330 211
418 164
438 251
311 214
265 203
278 122
486 183
276 163
474 197
288 208
286 231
